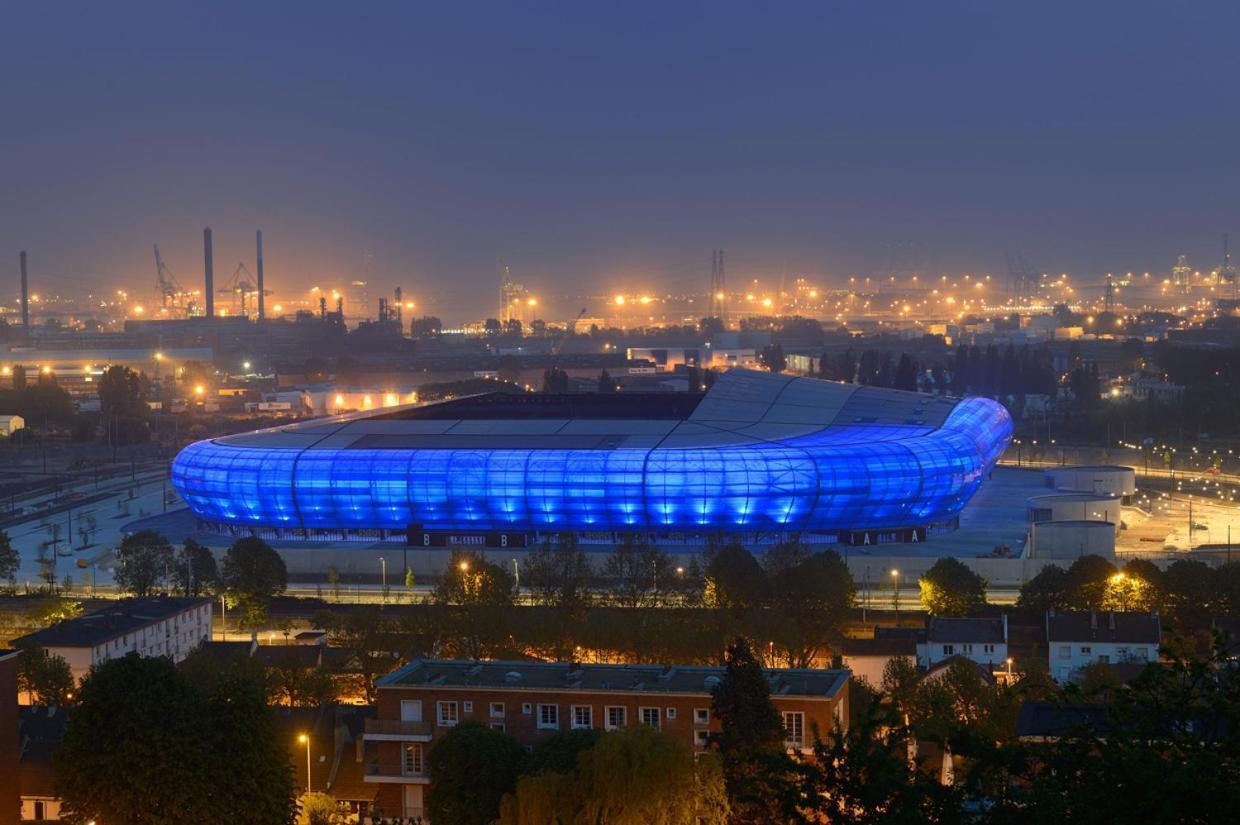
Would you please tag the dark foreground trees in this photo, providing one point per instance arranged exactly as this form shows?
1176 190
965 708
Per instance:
145 746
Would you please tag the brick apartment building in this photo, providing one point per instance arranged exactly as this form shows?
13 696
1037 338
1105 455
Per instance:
423 700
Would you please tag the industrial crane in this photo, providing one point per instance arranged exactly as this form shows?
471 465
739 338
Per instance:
241 287
559 342
169 290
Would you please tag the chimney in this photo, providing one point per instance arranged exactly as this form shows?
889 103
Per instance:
25 297
261 312
209 269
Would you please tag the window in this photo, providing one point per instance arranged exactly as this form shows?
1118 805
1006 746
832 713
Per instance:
583 716
671 714
1104 659
1086 651
548 717
1065 652
649 717
527 708
988 648
617 716
968 648
701 738
1121 652
794 728
447 713
499 726
497 710
949 650
412 764
701 716
1142 654
468 707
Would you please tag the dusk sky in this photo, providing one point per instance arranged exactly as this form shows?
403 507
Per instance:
592 145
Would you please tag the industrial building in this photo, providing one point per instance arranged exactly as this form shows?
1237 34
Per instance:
757 453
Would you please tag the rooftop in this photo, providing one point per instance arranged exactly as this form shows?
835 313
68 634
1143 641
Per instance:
981 631
1103 626
593 678
1049 720
112 622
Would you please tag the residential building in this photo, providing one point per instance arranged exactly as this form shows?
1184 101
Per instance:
42 729
152 626
1077 639
422 701
10 747
984 641
868 658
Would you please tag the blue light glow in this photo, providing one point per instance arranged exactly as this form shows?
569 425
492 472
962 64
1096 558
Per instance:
846 477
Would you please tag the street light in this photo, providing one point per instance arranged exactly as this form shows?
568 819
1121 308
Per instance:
1009 670
895 593
305 740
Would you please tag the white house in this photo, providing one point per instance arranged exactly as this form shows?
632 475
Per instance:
1077 639
868 658
984 641
10 424
154 626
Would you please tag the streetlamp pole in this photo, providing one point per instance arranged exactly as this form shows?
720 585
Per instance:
305 740
383 567
895 593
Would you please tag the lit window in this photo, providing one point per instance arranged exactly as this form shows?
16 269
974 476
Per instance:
794 729
413 759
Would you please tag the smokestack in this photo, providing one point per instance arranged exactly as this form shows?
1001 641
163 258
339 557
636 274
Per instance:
261 312
209 267
25 297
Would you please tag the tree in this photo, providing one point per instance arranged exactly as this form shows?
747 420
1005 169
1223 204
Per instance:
906 374
10 560
634 568
122 401
606 383
471 767
750 743
195 571
291 682
188 754
320 809
559 751
555 380
773 358
559 573
253 573
143 560
469 579
735 579
45 677
810 604
366 635
950 588
1048 590
632 776
1087 581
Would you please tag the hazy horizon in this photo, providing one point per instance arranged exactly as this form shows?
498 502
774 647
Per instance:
596 149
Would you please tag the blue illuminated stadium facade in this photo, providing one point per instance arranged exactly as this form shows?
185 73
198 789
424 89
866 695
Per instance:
757 453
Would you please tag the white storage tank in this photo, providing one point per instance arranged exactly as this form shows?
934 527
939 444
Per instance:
1074 507
1069 540
1117 481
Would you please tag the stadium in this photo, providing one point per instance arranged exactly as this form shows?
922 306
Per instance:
756 454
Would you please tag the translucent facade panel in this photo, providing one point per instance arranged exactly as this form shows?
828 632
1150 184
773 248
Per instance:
847 477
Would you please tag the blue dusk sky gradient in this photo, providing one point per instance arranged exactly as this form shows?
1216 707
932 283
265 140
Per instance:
592 145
